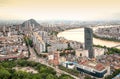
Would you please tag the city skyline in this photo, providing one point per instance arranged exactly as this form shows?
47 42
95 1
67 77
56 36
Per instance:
85 10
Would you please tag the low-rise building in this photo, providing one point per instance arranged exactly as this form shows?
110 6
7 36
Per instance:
57 45
53 58
98 51
68 65
81 53
92 68
76 45
84 53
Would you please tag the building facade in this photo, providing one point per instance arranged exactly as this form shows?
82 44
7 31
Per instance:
89 41
39 43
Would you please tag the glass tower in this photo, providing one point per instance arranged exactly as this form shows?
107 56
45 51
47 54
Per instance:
89 41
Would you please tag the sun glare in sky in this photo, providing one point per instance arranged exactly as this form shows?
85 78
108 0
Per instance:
60 9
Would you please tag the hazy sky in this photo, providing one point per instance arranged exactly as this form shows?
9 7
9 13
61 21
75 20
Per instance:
60 9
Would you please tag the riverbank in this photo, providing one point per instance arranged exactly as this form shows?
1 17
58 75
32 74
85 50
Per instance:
105 38
78 35
111 50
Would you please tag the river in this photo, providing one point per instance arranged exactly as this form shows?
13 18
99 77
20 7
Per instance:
78 35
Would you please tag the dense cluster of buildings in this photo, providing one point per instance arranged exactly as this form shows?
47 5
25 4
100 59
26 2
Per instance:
12 45
83 57
109 32
112 60
86 59
10 30
43 41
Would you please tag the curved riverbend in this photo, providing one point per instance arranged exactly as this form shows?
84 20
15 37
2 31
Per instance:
78 35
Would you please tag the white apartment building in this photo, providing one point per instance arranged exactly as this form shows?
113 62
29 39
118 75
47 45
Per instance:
38 42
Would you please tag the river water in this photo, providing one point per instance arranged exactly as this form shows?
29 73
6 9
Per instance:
78 35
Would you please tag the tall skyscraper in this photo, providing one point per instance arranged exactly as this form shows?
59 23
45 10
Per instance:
4 29
89 41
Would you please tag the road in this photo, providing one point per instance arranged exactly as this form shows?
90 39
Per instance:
34 57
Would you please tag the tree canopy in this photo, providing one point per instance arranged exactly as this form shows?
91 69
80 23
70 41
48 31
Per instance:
44 72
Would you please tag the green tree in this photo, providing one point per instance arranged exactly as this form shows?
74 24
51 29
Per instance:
51 76
63 76
20 75
4 74
87 77
44 72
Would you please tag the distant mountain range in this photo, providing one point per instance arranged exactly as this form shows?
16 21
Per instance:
36 23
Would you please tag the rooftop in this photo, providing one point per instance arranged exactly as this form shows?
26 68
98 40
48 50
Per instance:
92 64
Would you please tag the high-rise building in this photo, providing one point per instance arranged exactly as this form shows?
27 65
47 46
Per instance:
89 41
38 42
4 29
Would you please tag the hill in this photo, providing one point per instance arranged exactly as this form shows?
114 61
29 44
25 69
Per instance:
32 21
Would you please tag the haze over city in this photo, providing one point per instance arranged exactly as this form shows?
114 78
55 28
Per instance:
59 39
85 10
